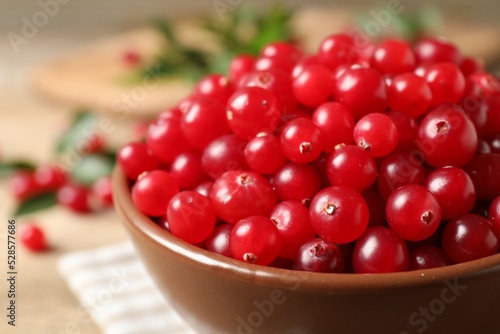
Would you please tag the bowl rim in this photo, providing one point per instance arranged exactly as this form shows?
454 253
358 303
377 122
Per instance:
284 278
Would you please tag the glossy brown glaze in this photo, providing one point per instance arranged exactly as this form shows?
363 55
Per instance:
215 294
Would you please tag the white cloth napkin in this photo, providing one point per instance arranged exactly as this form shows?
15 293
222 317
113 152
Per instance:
114 289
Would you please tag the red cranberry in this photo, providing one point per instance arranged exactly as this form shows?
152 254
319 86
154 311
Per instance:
296 182
239 194
136 158
362 91
453 189
191 216
393 56
33 238
292 220
446 136
380 250
339 214
251 110
413 212
336 124
255 239
153 191
468 238
319 256
428 257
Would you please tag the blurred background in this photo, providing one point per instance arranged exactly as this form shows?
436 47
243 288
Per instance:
74 59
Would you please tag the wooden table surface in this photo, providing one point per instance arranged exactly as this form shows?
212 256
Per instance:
28 128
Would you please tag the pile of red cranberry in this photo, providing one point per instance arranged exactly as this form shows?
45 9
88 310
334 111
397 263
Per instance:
377 159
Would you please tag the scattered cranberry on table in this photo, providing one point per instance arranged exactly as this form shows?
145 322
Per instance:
33 238
373 159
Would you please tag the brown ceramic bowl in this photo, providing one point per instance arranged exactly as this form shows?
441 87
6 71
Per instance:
216 294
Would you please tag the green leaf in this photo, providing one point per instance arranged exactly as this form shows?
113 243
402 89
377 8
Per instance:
91 168
37 203
80 131
9 167
246 31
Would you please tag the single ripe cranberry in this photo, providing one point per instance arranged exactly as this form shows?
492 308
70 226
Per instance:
319 256
187 170
336 124
102 190
313 86
49 177
336 50
255 239
23 185
446 136
494 215
398 170
224 154
393 56
301 140
436 50
296 182
480 85
136 158
214 86
191 216
377 134
292 220
339 214
33 238
413 212
166 141
410 94
362 91
240 66
218 241
74 197
205 188
153 191
251 110
471 65
276 81
263 154
407 128
446 81
351 166
204 121
484 170
453 189
131 58
380 250
239 194
428 257
468 238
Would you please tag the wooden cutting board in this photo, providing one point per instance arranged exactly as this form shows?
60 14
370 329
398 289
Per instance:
92 76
